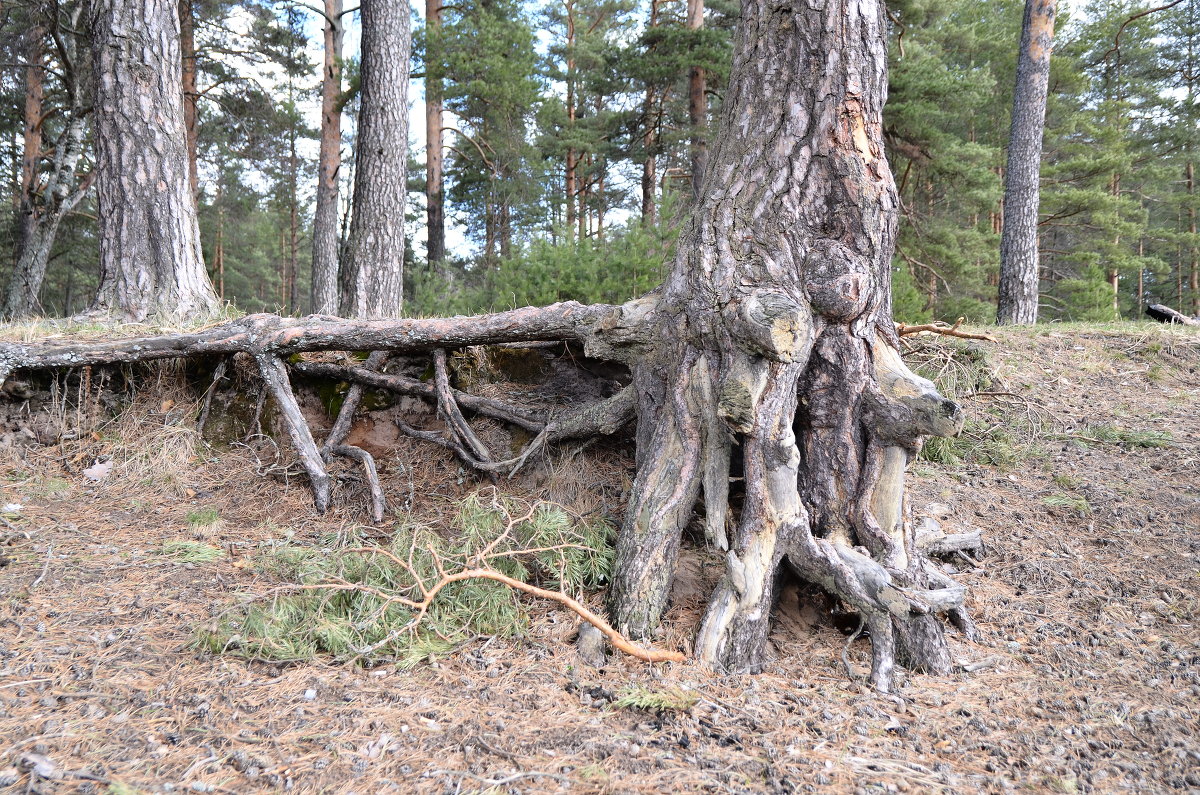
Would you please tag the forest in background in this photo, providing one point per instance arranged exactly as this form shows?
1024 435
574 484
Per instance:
571 133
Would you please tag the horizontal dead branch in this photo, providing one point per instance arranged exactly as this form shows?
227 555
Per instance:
945 329
264 334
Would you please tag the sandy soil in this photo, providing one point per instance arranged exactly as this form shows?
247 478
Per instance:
1086 677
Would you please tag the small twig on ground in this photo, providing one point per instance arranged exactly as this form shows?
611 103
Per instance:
41 577
945 329
500 782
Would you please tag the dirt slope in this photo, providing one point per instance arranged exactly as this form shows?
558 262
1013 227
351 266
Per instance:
1086 677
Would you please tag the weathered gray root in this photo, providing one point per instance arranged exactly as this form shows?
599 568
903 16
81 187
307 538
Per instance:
664 492
335 442
275 376
452 415
886 582
378 503
345 417
943 545
206 408
603 418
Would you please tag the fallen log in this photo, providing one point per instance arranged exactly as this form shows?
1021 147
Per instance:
271 335
1165 314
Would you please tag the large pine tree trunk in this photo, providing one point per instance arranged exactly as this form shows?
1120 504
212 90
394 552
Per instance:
373 271
777 332
1018 301
150 260
434 177
329 161
773 330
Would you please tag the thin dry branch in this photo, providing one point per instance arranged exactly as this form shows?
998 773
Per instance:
945 329
618 640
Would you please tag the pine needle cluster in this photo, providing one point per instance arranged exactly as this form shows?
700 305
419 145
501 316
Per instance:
378 603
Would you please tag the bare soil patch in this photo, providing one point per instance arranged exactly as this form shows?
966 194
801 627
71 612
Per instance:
1086 677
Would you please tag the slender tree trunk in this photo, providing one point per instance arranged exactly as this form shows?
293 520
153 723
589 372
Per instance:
649 164
697 104
191 93
1193 260
150 261
775 329
373 284
22 292
292 295
1114 274
219 246
434 178
46 196
31 124
1141 289
572 162
326 239
1018 301
649 138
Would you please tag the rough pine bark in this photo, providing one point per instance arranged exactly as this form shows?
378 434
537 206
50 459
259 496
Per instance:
372 274
150 261
776 331
329 161
1018 301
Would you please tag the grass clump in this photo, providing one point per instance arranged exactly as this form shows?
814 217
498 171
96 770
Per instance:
1078 504
355 600
671 699
1000 429
205 521
1112 434
191 552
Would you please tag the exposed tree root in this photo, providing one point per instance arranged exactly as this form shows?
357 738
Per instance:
275 376
335 442
449 411
218 374
378 503
411 387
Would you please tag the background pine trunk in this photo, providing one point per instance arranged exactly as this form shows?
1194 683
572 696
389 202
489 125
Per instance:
372 274
1018 301
149 240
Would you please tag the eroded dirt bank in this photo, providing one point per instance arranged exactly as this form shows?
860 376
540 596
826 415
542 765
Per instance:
1081 466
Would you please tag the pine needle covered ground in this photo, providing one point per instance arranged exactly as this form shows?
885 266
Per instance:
151 636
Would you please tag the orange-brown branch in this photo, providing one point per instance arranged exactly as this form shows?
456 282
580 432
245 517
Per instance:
945 329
